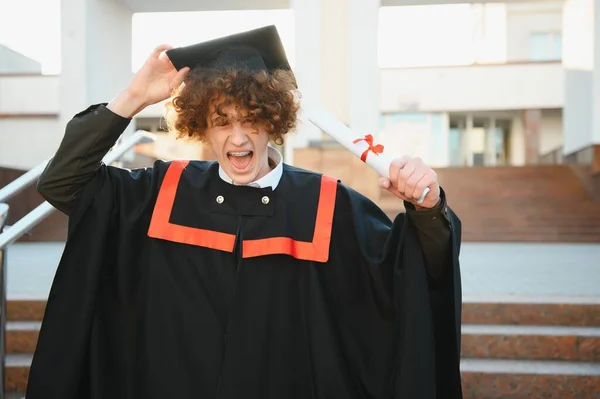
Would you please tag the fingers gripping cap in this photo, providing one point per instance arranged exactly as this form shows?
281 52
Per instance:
258 50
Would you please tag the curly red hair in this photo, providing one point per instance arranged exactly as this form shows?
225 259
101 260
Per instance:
269 99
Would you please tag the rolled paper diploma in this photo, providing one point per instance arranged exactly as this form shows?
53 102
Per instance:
363 147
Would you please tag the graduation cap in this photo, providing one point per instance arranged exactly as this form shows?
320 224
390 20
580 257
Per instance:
256 50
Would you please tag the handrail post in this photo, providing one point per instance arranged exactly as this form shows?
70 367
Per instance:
3 286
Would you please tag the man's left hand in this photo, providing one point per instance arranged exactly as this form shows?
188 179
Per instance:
408 179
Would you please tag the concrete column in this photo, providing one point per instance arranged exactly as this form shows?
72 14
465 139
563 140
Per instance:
516 156
457 158
478 30
336 64
334 58
490 143
596 78
95 53
531 128
363 68
581 60
465 142
579 56
307 69
440 128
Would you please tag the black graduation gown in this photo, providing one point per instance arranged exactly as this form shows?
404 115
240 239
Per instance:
175 284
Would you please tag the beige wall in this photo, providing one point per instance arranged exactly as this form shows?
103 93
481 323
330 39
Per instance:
29 95
517 142
24 143
472 88
578 60
551 136
334 53
526 18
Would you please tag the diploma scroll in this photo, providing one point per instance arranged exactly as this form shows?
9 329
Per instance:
362 147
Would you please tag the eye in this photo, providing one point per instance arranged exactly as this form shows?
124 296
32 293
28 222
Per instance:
220 122
248 121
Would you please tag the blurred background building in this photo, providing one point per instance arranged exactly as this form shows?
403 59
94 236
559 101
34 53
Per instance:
460 85
502 98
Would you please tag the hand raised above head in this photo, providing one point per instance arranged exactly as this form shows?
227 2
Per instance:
409 177
157 78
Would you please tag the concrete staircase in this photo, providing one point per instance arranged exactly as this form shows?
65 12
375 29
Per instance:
546 203
517 204
510 350
540 203
24 322
529 350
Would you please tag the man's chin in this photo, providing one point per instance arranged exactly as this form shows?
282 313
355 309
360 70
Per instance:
240 177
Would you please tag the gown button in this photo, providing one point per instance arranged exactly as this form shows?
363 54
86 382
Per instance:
220 199
265 200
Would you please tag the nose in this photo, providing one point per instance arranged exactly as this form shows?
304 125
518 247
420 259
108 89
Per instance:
238 135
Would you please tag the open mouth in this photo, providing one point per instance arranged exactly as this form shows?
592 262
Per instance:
240 160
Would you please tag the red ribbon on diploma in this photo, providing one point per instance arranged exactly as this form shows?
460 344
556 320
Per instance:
376 149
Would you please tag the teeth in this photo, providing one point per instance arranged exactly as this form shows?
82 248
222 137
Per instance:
239 154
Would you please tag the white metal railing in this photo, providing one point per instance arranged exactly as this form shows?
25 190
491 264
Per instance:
34 217
3 318
19 184
3 215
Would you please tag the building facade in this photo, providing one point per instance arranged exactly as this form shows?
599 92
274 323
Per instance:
521 92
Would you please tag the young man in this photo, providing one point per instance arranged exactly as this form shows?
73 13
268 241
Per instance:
245 277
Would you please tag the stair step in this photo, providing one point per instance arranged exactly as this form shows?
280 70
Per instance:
539 232
550 229
538 367
563 313
564 345
533 222
478 341
531 238
25 310
22 337
488 379
531 342
17 372
520 379
512 204
505 217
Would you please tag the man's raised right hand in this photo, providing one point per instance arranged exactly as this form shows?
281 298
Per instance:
153 83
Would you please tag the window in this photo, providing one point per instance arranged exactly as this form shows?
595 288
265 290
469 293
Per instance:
545 46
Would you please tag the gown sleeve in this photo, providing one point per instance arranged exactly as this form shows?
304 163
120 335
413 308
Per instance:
426 311
88 137
434 228
104 204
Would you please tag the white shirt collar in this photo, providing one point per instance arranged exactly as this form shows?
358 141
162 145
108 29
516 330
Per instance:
271 179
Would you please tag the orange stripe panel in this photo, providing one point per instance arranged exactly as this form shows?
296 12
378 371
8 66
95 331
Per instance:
318 249
160 227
